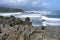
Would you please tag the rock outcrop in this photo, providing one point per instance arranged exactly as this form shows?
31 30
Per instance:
27 22
20 32
26 31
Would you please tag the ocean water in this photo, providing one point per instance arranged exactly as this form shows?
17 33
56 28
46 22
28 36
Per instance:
38 18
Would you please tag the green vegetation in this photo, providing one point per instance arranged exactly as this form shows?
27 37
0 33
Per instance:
2 9
10 20
1 17
20 21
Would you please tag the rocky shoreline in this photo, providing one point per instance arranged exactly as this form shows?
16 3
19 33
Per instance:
25 31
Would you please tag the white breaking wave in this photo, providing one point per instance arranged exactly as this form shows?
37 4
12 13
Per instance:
28 15
31 15
9 14
50 21
40 12
39 17
52 24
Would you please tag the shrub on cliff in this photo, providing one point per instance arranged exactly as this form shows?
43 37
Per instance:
1 17
10 20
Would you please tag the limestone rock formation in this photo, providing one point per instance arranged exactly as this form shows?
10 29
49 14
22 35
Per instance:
26 31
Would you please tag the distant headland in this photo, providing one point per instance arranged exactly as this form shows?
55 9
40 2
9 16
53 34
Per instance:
8 10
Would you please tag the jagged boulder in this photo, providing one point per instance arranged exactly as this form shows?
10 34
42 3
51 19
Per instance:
27 22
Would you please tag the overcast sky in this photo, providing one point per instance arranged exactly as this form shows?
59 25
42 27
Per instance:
32 4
